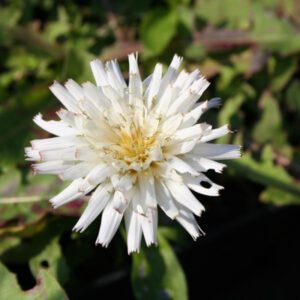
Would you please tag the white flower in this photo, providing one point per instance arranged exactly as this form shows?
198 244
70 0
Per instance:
136 147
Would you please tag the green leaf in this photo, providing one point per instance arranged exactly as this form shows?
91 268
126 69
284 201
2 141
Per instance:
38 237
195 51
8 242
47 287
186 17
229 114
157 29
22 204
175 234
51 256
292 96
9 288
282 69
234 12
58 28
265 172
174 3
278 197
10 182
275 34
157 274
269 127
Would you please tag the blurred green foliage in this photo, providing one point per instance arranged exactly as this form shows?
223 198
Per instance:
248 49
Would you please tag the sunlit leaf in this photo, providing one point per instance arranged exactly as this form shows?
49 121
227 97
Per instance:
47 287
51 258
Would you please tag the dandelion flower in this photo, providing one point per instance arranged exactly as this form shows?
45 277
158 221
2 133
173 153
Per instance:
134 147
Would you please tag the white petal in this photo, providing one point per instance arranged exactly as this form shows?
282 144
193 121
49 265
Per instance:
67 117
170 125
165 200
181 79
76 171
147 190
122 183
163 103
70 193
134 231
189 223
193 184
120 202
191 78
181 166
170 75
192 132
64 97
147 81
217 151
188 98
99 132
99 72
99 174
114 98
192 117
149 226
135 83
184 196
115 77
56 143
32 154
95 95
70 153
52 167
97 202
91 110
214 102
137 202
118 73
110 222
181 147
215 133
74 89
58 128
204 164
154 85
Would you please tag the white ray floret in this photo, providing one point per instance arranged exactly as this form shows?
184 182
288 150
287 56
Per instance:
135 147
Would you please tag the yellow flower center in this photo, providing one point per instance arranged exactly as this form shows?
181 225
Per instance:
135 146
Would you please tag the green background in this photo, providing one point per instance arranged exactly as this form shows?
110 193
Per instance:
249 50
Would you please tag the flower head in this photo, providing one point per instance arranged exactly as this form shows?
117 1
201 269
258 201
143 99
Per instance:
136 147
